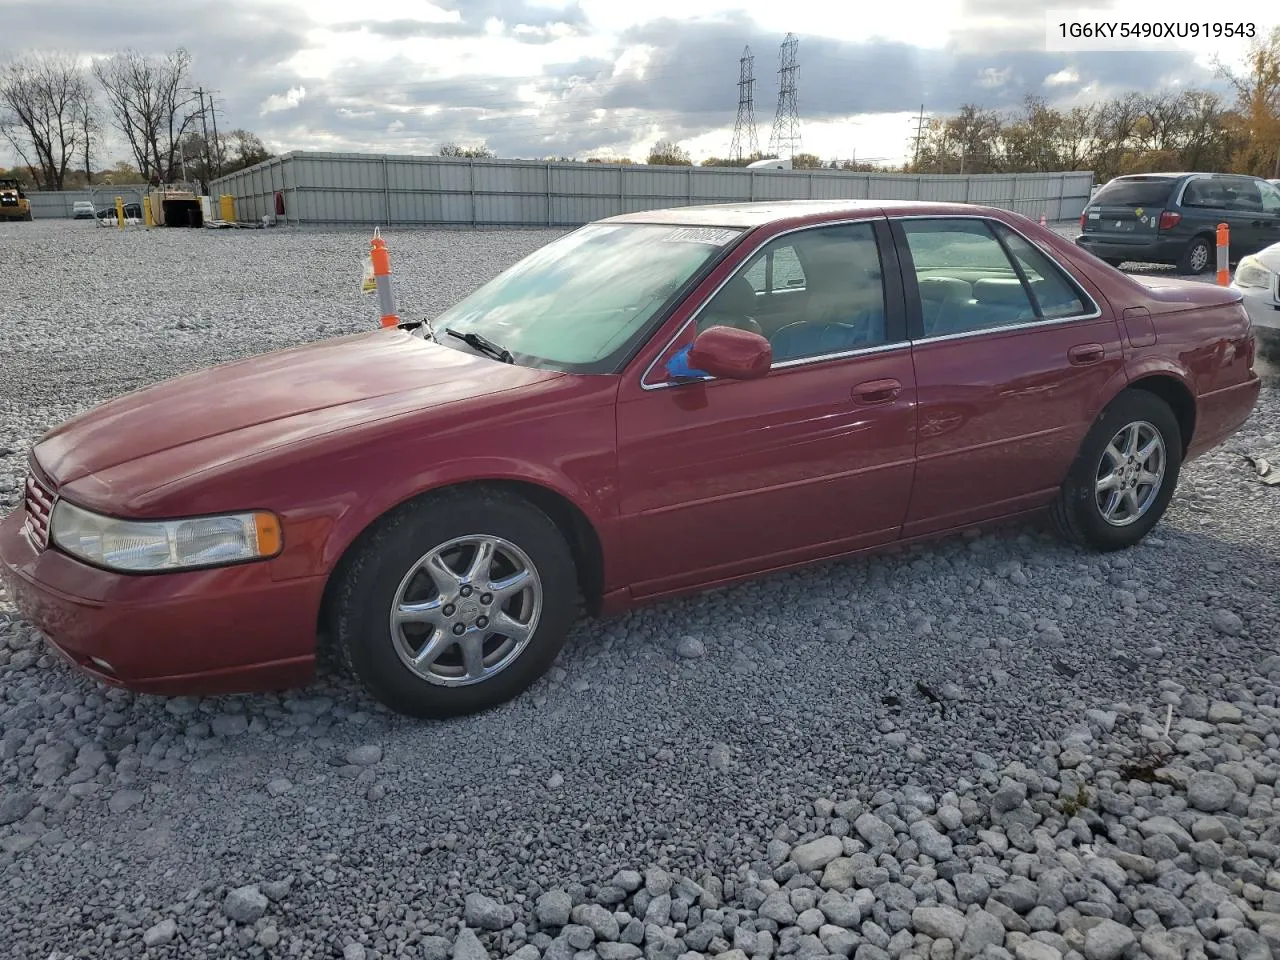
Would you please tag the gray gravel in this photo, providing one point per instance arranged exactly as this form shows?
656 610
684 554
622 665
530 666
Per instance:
996 745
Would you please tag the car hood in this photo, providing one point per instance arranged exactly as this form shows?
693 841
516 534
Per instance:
246 407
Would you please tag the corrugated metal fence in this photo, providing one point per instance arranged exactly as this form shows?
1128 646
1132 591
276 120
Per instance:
348 188
52 204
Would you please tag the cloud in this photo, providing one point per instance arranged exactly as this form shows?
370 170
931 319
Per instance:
542 78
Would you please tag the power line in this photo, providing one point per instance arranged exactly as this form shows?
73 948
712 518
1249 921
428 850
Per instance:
746 122
786 121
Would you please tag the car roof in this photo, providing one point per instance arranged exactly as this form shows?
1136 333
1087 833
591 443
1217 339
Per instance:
1174 176
760 212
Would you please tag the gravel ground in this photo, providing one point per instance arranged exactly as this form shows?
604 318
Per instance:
996 745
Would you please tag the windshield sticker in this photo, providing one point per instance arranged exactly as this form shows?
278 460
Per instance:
701 235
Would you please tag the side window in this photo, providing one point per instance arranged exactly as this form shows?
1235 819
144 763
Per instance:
775 269
966 281
1199 193
1243 195
1054 294
815 293
1270 197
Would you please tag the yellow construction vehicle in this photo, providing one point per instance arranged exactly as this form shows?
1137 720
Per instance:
14 204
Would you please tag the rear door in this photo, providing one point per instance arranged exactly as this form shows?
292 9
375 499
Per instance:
1010 367
1127 210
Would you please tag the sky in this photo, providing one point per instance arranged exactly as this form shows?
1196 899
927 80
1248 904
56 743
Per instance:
608 78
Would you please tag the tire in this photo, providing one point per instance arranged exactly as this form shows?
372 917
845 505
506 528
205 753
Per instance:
1198 257
1113 262
27 217
1078 516
381 575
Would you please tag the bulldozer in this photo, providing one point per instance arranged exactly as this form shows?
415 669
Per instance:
14 204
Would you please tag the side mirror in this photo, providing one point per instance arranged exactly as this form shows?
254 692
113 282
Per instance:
725 353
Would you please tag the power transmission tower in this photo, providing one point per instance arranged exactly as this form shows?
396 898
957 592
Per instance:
786 122
919 136
745 125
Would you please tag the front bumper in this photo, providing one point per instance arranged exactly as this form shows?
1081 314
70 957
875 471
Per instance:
201 633
1263 307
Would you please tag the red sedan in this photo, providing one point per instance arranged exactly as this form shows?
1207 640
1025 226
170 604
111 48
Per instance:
653 404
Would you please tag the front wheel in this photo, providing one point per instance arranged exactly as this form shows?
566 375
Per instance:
1124 476
456 603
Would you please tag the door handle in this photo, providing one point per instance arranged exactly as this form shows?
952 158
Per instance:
877 391
1085 353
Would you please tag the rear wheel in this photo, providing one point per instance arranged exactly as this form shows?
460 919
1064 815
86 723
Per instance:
1197 258
1124 476
456 603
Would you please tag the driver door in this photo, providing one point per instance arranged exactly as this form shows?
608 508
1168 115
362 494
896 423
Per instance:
723 478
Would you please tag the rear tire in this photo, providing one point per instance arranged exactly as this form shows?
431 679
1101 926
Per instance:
478 640
1124 475
1113 262
1197 258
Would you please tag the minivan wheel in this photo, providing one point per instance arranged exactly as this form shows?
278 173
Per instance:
1124 475
456 603
1197 258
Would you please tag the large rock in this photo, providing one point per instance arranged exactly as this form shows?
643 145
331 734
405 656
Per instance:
468 946
982 930
938 922
1210 792
1108 940
817 854
839 874
873 830
245 904
553 908
602 923
486 913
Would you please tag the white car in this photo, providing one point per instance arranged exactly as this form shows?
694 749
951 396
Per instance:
82 210
1257 280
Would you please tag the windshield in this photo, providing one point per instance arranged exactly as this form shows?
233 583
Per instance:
581 302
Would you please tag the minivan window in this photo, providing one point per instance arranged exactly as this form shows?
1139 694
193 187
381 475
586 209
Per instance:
1144 192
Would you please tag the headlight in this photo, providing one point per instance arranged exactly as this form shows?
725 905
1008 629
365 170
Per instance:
1251 273
143 545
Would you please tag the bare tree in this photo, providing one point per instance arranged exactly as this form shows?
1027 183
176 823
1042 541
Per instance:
90 131
42 101
152 104
668 153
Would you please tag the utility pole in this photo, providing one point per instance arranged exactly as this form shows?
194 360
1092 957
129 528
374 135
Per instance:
217 144
204 126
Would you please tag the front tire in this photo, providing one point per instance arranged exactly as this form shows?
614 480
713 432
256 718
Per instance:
456 603
1124 476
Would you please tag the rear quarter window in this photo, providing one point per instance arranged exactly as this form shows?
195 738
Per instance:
1134 193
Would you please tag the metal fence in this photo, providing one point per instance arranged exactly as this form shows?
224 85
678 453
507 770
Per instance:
52 204
362 189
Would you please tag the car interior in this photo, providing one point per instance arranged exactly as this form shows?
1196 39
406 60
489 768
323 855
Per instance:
819 292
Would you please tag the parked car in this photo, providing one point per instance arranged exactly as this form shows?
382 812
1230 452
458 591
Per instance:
1173 218
82 210
656 403
1257 281
132 211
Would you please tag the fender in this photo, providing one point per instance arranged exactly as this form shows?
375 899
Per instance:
599 511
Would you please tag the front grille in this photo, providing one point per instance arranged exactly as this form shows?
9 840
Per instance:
39 505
